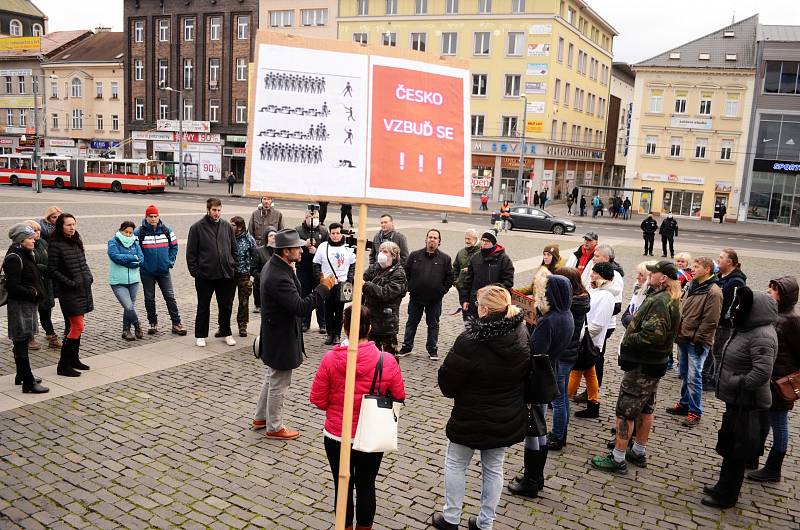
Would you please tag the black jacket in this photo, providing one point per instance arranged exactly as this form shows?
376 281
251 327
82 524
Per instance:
649 227
788 329
40 255
22 276
70 274
729 284
211 250
579 308
318 235
282 310
484 373
395 237
668 228
261 257
429 276
486 270
554 328
384 289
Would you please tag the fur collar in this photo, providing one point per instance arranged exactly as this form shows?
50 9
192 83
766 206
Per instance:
481 329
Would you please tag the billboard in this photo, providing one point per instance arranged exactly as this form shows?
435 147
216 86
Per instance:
536 69
535 87
20 43
538 49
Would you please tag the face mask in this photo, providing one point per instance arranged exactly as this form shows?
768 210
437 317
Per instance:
314 223
383 260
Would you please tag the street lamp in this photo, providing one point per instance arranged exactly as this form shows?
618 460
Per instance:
181 182
522 151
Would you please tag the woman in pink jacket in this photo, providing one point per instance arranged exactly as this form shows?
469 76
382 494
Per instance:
327 393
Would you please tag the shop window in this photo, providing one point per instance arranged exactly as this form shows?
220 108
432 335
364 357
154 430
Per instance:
681 202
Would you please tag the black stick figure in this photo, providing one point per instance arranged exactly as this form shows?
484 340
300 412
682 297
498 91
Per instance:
349 113
349 136
348 90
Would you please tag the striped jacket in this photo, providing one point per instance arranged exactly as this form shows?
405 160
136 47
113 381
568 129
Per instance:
159 246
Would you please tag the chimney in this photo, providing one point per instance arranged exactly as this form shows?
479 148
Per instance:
102 29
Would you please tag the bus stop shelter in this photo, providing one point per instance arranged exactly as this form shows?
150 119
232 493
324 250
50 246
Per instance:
641 198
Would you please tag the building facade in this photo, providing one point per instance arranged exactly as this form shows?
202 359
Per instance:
540 70
21 18
85 98
307 18
772 174
618 124
201 52
690 126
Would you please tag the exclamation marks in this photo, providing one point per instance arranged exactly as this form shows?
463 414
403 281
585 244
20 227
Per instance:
402 161
439 162
421 163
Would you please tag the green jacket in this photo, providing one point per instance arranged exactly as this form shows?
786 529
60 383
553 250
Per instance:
461 263
649 337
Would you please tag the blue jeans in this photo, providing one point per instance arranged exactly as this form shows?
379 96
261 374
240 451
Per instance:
126 295
561 403
690 369
433 311
165 285
779 421
455 466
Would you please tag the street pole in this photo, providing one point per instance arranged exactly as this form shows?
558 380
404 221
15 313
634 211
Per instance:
181 183
36 160
519 194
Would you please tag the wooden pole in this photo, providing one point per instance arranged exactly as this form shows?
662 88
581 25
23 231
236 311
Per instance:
350 377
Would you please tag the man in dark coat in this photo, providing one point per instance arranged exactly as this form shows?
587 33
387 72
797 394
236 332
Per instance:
388 233
211 257
490 265
649 227
313 234
668 231
282 309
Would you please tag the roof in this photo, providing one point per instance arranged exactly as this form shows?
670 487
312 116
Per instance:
103 47
623 70
51 43
597 18
778 33
22 7
740 48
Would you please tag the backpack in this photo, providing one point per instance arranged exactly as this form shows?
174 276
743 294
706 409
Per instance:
4 282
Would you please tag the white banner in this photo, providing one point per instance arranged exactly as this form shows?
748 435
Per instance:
188 125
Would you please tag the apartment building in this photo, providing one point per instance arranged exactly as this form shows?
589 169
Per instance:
620 107
307 18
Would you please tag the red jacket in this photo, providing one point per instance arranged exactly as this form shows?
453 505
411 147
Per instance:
327 390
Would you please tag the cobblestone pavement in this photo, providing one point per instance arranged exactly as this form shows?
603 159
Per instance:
172 448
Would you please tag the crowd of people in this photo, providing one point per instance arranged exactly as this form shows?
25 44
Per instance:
730 337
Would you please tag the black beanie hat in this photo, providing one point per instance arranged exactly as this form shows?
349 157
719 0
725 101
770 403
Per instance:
605 270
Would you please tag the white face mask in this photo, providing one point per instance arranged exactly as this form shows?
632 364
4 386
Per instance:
314 223
383 260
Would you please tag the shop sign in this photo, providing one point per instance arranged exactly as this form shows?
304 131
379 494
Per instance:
683 122
724 186
540 29
6 141
17 102
236 152
777 166
62 143
673 179
547 175
140 146
536 69
536 107
199 138
482 161
187 125
103 144
509 162
503 147
20 130
481 183
534 126
535 87
538 49
236 139
153 136
20 43
16 72
573 152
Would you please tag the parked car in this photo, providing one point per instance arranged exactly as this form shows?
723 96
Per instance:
530 218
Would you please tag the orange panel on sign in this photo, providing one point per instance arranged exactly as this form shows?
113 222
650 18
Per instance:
417 131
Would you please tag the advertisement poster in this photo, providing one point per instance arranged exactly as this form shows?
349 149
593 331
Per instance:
538 49
536 69
534 126
536 107
535 87
540 29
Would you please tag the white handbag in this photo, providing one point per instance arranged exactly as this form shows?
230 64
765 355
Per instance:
377 423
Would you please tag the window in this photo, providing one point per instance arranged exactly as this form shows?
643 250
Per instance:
114 122
213 73
21 83
314 17
656 100
517 6
478 123
557 90
451 7
484 6
188 74
35 84
215 26
163 72
188 29
479 82
509 126
163 30
281 19
563 131
114 90
680 102
77 119
77 88
553 130
53 88
421 7
138 31
516 43
782 77
163 109
449 43
675 146
732 106
99 125
572 136
241 69
360 38
138 70
418 41
188 110
363 7
98 89
705 103
241 111
23 117
481 43
54 120
213 110
650 145
570 50
9 117
560 50
512 85
726 150
242 27
700 148
570 16
9 90
566 94
37 30
389 38
15 28
391 7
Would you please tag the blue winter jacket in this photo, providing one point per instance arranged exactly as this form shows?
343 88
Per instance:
123 267
159 246
554 328
245 251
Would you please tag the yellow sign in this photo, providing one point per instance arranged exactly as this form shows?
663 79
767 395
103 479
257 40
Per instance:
534 126
16 102
20 43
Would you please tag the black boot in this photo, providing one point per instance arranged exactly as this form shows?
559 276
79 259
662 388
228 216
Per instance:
725 493
76 361
528 486
328 340
540 462
29 383
771 472
592 411
18 379
65 361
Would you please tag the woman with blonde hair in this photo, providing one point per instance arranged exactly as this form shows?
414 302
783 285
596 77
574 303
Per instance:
385 285
48 222
640 290
484 374
683 262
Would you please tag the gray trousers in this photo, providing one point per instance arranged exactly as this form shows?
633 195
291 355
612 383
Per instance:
270 402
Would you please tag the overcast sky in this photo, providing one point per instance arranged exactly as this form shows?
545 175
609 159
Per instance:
646 27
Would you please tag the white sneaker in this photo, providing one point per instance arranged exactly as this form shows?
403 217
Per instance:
200 343
230 341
